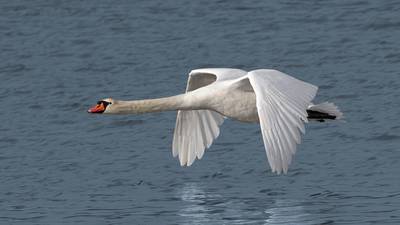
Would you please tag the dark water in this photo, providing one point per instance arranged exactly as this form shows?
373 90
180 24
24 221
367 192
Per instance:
60 165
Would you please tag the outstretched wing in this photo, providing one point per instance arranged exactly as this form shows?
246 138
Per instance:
282 103
195 130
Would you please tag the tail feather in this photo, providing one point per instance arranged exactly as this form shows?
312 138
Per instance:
325 110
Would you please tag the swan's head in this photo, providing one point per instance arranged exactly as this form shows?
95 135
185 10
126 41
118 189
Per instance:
102 106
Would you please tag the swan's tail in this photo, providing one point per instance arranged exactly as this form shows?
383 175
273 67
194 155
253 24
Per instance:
324 111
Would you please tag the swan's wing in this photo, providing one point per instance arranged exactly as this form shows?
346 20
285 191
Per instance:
220 74
195 130
282 103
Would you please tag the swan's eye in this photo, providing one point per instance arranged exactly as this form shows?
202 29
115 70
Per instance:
102 102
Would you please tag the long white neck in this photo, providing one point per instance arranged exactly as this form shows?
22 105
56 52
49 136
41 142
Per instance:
147 105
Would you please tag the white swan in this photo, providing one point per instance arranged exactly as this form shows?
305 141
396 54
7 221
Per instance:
279 102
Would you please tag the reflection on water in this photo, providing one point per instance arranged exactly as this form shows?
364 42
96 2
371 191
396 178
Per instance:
195 210
200 207
287 212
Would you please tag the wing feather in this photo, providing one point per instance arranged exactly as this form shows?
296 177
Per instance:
195 130
282 103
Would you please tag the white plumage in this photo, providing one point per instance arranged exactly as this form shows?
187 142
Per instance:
281 103
277 101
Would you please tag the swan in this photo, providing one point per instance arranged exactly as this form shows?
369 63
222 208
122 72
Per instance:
280 103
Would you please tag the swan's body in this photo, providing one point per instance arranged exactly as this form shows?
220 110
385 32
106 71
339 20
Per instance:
280 103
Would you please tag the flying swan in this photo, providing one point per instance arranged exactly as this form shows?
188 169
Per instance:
281 104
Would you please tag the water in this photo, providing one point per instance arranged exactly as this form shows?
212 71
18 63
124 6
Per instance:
60 165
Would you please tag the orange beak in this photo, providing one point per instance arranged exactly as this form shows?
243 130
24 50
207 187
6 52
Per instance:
99 108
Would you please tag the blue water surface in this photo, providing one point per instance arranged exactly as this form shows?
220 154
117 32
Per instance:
60 165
